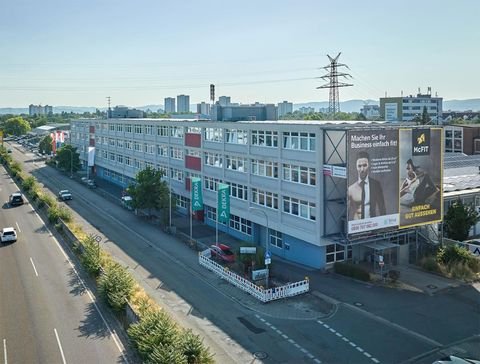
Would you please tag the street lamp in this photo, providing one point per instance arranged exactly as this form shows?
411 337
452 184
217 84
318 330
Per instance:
267 243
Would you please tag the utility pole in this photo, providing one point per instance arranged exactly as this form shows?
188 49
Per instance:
333 84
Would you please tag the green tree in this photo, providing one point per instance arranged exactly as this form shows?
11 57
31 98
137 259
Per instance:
16 126
459 219
45 145
68 159
149 192
425 117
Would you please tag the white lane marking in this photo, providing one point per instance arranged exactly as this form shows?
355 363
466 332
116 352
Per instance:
360 349
33 265
5 351
112 332
18 227
375 360
353 344
317 361
367 354
60 346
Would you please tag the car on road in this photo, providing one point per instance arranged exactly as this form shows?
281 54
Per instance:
456 360
91 183
8 235
222 253
16 199
65 195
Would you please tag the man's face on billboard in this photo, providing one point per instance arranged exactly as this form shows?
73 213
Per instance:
362 168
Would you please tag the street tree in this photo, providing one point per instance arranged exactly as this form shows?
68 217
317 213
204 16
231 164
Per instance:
149 192
459 219
16 126
68 159
45 145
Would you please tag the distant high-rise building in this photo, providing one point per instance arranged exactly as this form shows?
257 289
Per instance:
224 100
284 108
39 110
183 103
370 111
169 105
306 110
411 107
203 108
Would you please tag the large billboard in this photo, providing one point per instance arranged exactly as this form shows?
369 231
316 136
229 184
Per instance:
394 178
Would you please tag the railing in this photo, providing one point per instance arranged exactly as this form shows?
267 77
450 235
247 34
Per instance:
264 295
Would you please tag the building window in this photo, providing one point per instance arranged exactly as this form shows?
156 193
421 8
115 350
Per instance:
212 214
211 183
265 198
235 136
162 150
213 135
128 145
137 146
241 224
111 142
176 153
299 141
193 152
128 128
265 138
297 207
163 169
336 253
119 127
120 158
149 129
150 148
181 201
128 161
176 174
111 127
299 174
238 191
137 129
236 163
138 164
213 159
276 238
119 143
162 131
264 168
194 129
177 131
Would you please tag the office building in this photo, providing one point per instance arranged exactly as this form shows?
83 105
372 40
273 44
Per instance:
306 110
396 109
244 112
203 108
224 101
169 105
183 103
123 112
370 112
288 179
284 108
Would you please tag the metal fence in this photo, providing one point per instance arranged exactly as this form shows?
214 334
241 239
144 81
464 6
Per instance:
264 295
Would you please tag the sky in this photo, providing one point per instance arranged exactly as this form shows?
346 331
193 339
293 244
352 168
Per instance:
78 53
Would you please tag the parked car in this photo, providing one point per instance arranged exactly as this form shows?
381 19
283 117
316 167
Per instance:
127 202
456 360
8 235
64 195
222 253
16 199
91 183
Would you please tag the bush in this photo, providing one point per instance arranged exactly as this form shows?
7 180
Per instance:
91 255
116 285
453 253
430 264
460 270
53 214
351 270
29 183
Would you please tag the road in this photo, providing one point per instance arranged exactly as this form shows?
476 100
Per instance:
370 324
46 313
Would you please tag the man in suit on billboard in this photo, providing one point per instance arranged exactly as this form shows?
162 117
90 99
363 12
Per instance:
365 195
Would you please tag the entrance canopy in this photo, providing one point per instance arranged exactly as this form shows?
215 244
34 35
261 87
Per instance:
381 245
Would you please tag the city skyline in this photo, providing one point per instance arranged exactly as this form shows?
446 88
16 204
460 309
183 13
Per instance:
77 54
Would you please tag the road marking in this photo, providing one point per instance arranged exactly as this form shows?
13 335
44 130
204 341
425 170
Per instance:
5 351
18 227
60 346
33 265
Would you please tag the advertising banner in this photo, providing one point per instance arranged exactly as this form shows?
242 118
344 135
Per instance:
197 200
394 178
372 196
421 192
91 156
223 202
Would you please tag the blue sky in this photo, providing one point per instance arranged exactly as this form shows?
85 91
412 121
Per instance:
77 53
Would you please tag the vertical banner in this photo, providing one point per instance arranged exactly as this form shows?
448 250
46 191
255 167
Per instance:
372 195
91 156
421 165
223 208
197 200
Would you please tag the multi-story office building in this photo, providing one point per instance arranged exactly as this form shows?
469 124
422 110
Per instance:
119 112
394 109
203 108
169 105
244 112
288 179
183 103
370 111
284 108
39 110
306 110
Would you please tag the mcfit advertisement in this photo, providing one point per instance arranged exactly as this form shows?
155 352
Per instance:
393 178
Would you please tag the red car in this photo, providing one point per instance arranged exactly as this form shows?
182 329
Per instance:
222 252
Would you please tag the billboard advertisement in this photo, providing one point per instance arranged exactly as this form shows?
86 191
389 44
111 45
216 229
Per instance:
394 178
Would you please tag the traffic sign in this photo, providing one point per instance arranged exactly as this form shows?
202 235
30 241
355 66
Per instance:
381 263
267 255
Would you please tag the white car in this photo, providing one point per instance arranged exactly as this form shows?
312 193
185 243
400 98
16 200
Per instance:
8 234
64 195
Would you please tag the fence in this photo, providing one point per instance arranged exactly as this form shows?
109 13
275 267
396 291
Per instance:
264 295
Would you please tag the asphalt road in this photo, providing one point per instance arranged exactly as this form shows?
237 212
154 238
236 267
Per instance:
46 313
370 324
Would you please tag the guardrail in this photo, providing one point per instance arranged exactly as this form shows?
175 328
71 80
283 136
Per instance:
264 295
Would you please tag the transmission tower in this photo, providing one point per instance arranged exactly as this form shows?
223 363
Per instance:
333 84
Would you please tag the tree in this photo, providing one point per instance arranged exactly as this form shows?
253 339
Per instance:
16 126
459 219
45 145
149 192
425 117
68 159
